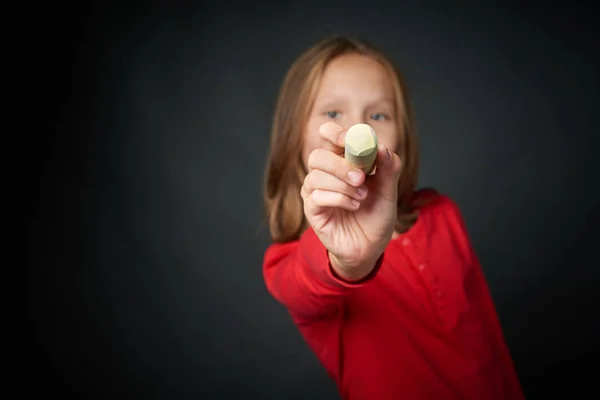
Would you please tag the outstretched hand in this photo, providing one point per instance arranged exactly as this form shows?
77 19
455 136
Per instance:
352 214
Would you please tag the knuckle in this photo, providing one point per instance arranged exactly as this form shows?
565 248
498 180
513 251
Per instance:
340 166
313 157
317 158
307 180
313 179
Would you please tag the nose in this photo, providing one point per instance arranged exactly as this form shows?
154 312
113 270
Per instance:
355 119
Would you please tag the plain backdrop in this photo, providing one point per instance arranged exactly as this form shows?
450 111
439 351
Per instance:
147 130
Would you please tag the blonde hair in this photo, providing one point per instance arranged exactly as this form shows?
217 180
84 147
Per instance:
285 169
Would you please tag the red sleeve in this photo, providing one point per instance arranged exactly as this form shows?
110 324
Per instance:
298 274
511 380
492 321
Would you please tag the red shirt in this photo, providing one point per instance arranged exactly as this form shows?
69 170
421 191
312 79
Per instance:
422 325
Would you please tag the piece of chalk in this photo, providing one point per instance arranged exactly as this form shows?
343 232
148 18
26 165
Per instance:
361 147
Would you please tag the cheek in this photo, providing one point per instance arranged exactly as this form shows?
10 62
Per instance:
389 137
394 145
312 140
305 152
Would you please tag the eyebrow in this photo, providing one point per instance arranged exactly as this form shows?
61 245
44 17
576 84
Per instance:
383 100
332 102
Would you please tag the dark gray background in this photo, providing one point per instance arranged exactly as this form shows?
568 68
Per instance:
147 131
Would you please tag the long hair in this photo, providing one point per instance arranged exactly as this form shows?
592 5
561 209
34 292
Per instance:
285 171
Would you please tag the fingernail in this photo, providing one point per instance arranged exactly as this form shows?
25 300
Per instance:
354 176
361 191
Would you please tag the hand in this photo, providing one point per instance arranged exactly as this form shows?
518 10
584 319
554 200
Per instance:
353 215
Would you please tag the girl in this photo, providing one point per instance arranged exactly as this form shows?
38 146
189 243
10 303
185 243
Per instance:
380 279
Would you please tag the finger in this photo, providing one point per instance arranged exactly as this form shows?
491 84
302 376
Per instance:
332 137
304 192
321 199
335 165
388 166
321 180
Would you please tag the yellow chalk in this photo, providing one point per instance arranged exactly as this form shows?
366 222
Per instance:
361 147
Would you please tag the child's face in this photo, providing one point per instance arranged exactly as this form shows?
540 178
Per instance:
354 89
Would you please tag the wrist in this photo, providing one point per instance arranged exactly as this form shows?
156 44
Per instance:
354 272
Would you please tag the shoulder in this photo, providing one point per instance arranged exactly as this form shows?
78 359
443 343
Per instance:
442 218
429 199
437 206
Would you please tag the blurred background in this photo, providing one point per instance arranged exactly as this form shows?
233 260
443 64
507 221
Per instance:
147 132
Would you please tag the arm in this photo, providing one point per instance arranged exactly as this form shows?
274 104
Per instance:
299 275
494 327
492 321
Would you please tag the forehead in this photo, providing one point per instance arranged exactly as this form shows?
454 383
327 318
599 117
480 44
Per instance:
356 75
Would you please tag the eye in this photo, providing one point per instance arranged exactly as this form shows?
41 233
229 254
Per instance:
379 117
333 114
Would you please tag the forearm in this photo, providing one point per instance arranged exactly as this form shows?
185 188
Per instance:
300 276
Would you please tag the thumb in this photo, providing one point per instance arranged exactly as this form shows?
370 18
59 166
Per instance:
387 173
